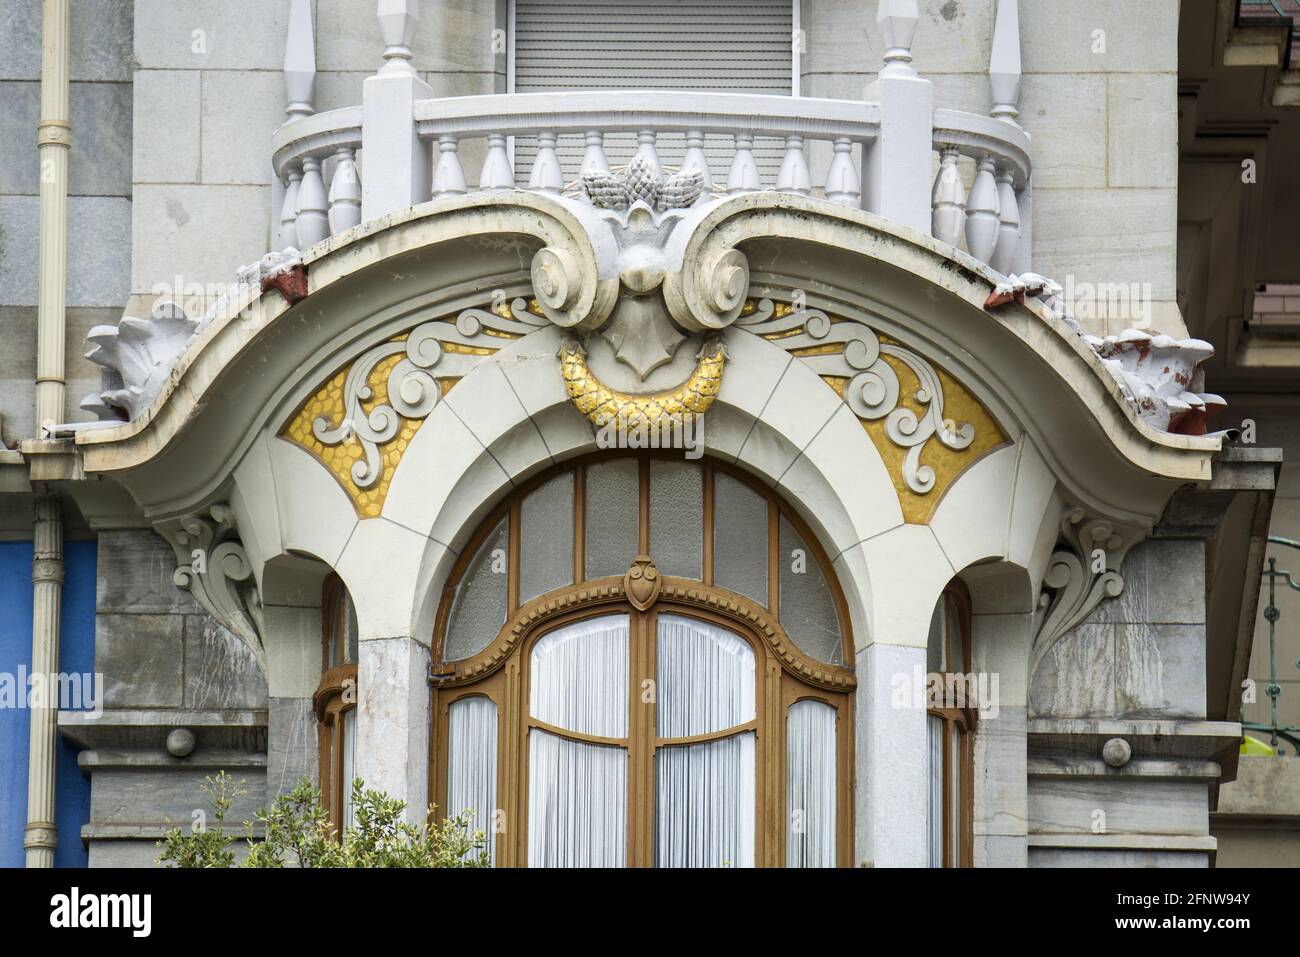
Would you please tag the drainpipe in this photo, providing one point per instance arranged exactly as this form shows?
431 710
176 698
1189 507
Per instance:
53 139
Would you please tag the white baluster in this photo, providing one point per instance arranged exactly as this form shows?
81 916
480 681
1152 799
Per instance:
497 171
398 20
313 205
793 176
448 177
546 175
897 22
1006 252
982 221
1004 62
646 146
743 177
289 208
843 184
593 160
948 199
345 192
300 61
694 159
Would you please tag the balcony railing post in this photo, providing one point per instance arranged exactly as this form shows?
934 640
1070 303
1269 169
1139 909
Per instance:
398 162
843 182
948 200
299 88
894 186
1007 250
345 192
1004 83
982 212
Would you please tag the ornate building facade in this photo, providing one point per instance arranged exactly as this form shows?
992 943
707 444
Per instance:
761 434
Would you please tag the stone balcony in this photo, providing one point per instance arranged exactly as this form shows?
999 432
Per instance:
963 178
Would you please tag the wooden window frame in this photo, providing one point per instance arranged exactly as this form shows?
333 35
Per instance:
331 700
958 848
784 674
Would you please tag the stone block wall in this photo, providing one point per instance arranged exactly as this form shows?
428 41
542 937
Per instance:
166 665
99 201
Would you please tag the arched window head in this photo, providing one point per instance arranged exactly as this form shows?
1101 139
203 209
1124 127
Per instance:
950 719
642 662
335 700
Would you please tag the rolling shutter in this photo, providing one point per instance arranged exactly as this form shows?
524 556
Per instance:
739 46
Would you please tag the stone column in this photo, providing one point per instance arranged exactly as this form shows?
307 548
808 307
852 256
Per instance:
47 588
393 720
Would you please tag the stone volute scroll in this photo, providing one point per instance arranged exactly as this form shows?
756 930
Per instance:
214 567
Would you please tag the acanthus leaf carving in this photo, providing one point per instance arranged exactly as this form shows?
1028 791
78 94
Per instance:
214 567
1083 571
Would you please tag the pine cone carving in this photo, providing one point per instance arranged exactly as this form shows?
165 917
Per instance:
605 190
643 179
681 189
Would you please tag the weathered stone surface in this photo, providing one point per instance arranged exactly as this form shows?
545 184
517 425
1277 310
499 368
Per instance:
135 575
1066 116
202 233
1063 38
1000 767
100 161
1164 582
19 163
220 670
18 253
99 40
236 142
1143 125
1113 859
142 660
99 250
1076 676
1128 805
200 35
1160 670
167 114
292 753
166 797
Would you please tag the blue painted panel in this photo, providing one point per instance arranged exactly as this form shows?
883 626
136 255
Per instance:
76 654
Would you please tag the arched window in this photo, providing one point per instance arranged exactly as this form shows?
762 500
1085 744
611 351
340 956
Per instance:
335 700
951 719
643 661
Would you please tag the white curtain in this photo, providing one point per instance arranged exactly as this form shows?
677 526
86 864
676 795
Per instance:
810 784
472 765
704 680
579 677
704 804
704 793
935 815
577 803
577 791
349 719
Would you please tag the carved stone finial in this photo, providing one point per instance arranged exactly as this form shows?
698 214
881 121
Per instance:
642 583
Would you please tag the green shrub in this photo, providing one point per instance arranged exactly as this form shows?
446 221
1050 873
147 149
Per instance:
298 833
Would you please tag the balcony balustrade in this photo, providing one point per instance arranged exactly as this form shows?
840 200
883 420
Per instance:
879 153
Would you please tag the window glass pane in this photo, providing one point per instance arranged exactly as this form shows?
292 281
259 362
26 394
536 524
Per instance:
677 517
807 608
479 609
349 629
472 764
577 803
810 784
704 804
613 504
936 646
578 678
934 815
349 719
705 678
546 538
739 538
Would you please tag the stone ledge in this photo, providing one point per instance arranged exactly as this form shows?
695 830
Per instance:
236 729
91 760
1072 766
155 830
1126 842
1189 740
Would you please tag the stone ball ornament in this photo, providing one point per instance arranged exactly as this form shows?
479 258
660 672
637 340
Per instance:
1116 752
180 742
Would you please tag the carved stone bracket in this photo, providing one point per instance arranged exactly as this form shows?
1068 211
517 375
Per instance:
213 566
1083 570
